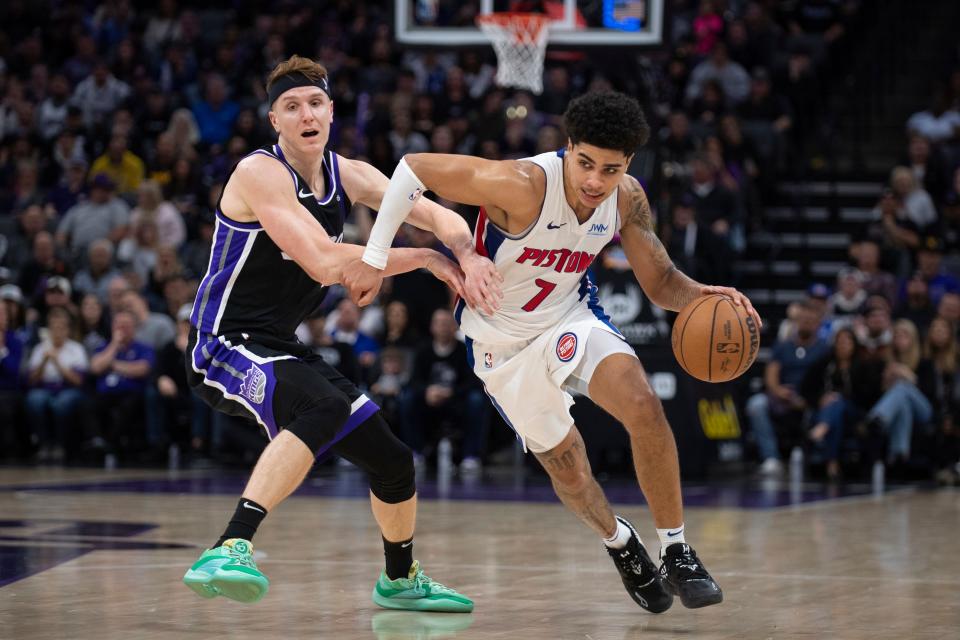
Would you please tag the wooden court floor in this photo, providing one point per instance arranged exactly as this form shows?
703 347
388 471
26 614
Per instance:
108 565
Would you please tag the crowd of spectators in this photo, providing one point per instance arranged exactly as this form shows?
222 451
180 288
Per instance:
120 122
867 369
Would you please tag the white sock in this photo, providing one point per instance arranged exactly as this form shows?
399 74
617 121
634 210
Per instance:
620 537
669 537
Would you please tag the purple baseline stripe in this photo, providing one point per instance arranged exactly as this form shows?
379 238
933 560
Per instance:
355 420
533 487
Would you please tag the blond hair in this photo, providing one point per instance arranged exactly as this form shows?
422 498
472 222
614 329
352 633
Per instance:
297 64
910 357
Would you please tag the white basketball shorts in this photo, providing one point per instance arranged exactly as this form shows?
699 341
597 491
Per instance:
530 382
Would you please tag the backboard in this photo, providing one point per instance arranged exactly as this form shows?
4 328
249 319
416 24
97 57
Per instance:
574 22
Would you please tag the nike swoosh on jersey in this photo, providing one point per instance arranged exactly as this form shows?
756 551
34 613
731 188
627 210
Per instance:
550 225
304 194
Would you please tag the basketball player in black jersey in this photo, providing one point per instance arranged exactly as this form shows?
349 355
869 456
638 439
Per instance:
276 249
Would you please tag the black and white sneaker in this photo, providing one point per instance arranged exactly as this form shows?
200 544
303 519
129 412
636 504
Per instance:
685 576
639 574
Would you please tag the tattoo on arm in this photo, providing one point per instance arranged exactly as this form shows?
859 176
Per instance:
676 289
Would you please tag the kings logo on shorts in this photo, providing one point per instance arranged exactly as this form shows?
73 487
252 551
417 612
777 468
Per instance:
567 347
254 384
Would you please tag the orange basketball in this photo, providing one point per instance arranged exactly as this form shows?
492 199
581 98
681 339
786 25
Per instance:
715 340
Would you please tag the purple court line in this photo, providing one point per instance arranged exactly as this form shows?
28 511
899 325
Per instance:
349 484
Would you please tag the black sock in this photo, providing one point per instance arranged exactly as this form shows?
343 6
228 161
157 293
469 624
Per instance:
244 522
399 557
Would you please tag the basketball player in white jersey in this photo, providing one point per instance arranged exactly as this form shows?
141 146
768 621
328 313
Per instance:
543 220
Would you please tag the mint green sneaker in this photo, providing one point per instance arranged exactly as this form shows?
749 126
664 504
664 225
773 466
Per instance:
228 571
417 592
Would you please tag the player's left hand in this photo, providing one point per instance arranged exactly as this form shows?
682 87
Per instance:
481 284
448 271
738 299
362 282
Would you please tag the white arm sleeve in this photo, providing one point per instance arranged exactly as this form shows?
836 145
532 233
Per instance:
404 191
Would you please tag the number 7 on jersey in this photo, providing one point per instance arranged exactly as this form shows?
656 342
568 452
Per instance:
545 288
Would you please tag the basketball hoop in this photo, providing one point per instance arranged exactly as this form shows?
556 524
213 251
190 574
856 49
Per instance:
520 41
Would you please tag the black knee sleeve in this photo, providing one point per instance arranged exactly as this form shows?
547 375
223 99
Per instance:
318 420
395 482
387 461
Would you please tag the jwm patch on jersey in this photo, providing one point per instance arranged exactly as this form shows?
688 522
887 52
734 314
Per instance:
545 268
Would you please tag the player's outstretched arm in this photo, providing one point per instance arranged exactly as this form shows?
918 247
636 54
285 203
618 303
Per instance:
465 179
302 238
365 184
664 284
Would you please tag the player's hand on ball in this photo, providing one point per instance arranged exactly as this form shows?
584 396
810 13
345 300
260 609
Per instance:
362 282
481 284
738 299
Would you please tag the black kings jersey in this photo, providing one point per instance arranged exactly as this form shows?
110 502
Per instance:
251 287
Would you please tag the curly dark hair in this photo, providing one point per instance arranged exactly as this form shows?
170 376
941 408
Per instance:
607 119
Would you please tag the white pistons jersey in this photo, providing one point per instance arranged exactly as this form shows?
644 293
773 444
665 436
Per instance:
544 269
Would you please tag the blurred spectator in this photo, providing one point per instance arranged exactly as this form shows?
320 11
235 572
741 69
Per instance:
695 249
830 388
182 411
215 113
716 206
196 252
11 299
55 377
69 189
949 308
392 379
101 216
849 300
916 306
99 270
122 368
98 95
939 123
902 405
16 249
443 397
930 268
423 293
94 326
11 357
124 168
928 167
732 78
336 353
707 27
139 251
184 133
781 404
43 263
940 383
876 281
154 330
875 335
52 112
346 330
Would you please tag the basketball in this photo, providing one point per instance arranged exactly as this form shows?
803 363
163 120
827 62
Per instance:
715 340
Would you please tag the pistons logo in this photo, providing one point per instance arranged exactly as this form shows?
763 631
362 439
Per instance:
567 347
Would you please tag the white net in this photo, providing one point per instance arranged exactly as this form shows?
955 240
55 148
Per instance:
520 41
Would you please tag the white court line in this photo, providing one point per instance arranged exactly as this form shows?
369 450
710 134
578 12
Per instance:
546 569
